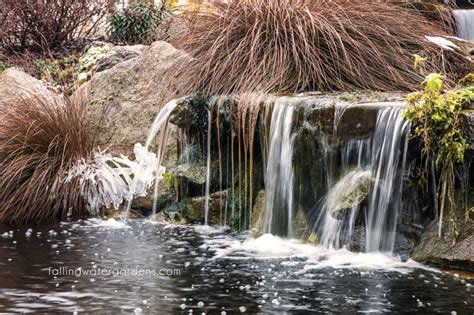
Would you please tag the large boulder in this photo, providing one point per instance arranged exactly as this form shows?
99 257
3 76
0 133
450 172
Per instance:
100 56
125 99
16 85
439 251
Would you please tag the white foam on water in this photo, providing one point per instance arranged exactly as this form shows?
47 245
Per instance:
269 246
109 223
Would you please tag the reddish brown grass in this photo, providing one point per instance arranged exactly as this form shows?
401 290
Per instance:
41 137
288 46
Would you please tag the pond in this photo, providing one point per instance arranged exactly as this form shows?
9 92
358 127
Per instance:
145 267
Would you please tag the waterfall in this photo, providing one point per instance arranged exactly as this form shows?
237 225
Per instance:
208 169
464 23
389 147
375 174
279 203
340 206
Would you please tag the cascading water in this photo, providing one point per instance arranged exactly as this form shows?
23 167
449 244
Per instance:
376 176
208 170
464 23
279 200
389 147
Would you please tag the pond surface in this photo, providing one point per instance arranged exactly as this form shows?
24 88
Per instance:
141 267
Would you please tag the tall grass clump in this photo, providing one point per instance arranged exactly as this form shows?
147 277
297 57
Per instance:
288 46
41 138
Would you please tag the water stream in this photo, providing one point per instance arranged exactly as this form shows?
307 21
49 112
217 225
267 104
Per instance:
372 176
279 199
464 23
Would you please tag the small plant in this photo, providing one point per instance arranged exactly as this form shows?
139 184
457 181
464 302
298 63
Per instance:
60 72
435 118
3 66
171 182
135 23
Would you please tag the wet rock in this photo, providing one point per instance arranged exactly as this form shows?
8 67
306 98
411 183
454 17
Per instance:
194 173
301 228
191 113
438 251
313 238
194 208
351 190
467 122
257 214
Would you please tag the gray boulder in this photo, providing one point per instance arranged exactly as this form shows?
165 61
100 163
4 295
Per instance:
125 99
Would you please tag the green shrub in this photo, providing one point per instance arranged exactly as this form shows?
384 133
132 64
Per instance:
135 23
435 118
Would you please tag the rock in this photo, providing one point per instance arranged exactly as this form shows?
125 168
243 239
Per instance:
125 99
16 85
439 251
101 56
467 123
313 238
194 208
195 173
257 214
301 229
351 190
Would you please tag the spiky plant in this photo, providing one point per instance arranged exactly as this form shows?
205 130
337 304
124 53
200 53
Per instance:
41 138
280 46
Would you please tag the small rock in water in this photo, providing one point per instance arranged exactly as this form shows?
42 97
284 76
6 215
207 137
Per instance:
404 258
242 309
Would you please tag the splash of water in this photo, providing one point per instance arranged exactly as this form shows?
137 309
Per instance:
279 203
464 23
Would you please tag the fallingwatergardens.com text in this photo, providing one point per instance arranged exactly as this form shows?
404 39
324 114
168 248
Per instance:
111 272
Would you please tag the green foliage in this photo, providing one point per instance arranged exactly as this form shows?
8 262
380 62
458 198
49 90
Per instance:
171 181
134 24
60 72
3 66
435 118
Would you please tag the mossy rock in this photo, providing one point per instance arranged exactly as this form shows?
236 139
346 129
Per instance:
194 208
257 214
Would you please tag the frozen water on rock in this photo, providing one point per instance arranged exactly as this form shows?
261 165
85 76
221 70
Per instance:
110 180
